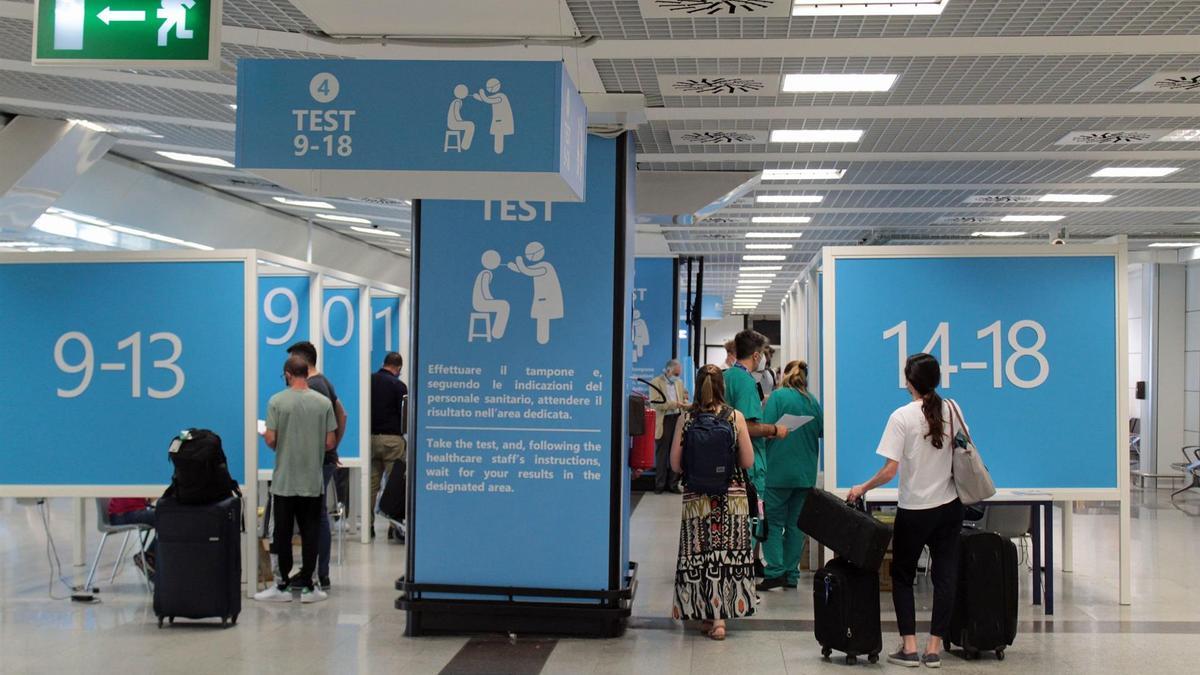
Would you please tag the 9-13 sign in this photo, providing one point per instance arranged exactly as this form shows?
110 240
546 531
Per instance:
119 357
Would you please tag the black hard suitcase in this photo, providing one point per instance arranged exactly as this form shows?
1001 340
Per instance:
392 499
848 530
199 570
985 608
846 611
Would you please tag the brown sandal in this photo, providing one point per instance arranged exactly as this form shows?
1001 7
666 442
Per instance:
717 633
706 627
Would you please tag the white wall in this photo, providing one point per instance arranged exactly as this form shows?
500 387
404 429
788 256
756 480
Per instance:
135 195
1191 427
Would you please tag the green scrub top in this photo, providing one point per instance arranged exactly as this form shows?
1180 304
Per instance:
792 461
741 393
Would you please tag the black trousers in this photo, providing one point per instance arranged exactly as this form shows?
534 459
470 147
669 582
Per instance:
304 512
664 477
940 529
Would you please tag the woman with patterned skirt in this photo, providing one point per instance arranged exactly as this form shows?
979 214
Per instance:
714 578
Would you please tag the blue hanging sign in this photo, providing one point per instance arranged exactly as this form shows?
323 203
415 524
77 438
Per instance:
653 332
429 129
340 361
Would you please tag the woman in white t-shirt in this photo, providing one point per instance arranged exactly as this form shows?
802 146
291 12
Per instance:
917 444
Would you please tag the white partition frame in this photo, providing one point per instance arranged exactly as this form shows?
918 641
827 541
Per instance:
249 483
1119 254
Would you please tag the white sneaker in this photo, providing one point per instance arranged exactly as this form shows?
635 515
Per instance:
273 594
311 595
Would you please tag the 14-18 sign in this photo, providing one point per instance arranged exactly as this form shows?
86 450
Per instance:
1001 368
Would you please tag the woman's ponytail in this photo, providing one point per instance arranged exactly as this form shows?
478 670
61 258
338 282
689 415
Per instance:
924 374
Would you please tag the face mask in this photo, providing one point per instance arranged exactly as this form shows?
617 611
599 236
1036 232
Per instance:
760 365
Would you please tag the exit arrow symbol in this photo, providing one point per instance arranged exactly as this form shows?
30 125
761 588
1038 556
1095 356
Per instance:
108 14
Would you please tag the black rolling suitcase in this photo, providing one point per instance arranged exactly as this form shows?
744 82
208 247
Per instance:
199 571
985 608
846 610
848 530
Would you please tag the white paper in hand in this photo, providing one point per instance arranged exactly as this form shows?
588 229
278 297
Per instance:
794 422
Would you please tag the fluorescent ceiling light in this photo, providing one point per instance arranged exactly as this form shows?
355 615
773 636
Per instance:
868 7
87 124
760 268
998 235
781 219
789 199
768 247
159 237
17 244
774 235
833 82
1182 135
60 249
1075 198
233 106
803 174
757 275
816 135
305 203
1135 172
371 230
764 258
1174 244
1031 219
195 159
343 219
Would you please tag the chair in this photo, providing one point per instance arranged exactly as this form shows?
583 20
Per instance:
1008 521
455 136
1190 468
486 318
105 526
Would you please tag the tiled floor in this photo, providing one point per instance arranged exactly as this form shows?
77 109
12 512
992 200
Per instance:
359 631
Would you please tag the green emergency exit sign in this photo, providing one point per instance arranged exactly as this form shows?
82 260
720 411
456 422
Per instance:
115 33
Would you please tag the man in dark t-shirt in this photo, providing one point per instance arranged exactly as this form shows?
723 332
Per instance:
320 384
388 392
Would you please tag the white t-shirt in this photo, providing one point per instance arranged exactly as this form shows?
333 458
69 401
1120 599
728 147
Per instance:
926 479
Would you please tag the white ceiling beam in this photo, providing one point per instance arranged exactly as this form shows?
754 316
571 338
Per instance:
797 188
866 112
161 145
85 110
762 48
122 77
971 209
1088 155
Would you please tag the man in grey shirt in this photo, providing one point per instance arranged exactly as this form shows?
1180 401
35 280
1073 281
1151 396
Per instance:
301 427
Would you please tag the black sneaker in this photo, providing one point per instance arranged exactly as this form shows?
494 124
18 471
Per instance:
760 572
325 583
791 584
768 584
906 659
932 661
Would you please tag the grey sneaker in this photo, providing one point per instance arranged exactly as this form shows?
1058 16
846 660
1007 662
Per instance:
906 659
932 661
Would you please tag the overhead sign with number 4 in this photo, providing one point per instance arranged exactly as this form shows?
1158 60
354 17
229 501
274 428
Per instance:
160 33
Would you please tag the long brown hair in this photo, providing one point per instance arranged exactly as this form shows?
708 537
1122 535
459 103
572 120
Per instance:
924 374
710 385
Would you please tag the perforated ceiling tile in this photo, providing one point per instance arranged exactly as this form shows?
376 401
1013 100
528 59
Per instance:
278 15
623 19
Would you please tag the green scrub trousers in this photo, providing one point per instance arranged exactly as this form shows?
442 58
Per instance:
785 541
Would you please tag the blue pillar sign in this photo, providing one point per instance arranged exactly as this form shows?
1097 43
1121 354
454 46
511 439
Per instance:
113 360
1027 345
283 320
430 129
654 332
340 361
385 329
519 366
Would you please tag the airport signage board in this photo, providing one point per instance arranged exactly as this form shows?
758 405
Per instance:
283 320
653 335
519 380
173 34
499 130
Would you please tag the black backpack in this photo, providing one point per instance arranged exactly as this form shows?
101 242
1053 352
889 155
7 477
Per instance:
708 452
201 469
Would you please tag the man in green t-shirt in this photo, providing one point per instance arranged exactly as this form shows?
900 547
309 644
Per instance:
301 427
741 393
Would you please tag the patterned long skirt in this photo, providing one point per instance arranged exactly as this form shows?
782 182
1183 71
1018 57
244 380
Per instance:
714 578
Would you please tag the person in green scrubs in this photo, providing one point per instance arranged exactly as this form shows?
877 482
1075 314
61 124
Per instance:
742 394
791 474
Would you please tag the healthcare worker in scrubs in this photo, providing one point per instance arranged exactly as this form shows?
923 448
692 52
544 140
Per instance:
791 475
